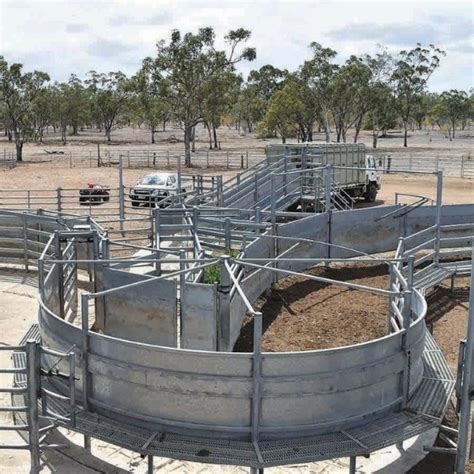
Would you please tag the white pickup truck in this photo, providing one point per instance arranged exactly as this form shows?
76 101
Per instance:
155 188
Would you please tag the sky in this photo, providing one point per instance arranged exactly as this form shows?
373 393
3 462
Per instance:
75 36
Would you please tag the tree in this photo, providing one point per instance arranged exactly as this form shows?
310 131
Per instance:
19 91
186 65
456 106
220 94
410 76
250 107
382 114
109 98
79 103
145 86
282 114
348 91
42 112
318 73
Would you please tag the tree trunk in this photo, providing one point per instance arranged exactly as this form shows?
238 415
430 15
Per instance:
214 133
405 135
310 133
326 127
19 148
454 128
74 129
153 130
193 139
108 134
374 140
283 139
164 125
209 134
187 146
249 126
63 134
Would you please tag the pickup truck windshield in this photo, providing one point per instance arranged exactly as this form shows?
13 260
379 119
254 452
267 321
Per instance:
154 180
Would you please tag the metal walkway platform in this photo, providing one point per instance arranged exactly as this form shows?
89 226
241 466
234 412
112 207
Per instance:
425 410
434 274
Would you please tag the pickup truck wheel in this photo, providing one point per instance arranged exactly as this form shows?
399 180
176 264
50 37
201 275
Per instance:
371 193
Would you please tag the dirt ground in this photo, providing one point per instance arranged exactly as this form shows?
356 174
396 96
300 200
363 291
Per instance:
301 314
231 139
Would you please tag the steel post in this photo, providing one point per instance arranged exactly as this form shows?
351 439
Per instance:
33 371
273 200
85 360
465 413
227 235
352 465
223 295
439 203
121 193
256 375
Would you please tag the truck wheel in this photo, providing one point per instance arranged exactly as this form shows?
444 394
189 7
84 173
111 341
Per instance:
371 193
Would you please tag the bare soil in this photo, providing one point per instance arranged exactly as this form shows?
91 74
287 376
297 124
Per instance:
301 314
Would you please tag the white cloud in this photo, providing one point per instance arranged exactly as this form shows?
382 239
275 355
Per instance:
67 36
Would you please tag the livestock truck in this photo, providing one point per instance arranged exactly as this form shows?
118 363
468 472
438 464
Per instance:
353 170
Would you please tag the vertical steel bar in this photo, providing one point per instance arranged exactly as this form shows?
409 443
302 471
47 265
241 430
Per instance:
72 388
121 193
25 242
180 186
256 375
273 200
33 369
85 359
465 413
227 235
439 203
352 465
223 293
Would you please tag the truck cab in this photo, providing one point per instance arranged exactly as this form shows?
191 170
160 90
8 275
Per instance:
373 179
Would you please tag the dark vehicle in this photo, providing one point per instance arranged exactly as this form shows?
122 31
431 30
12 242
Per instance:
94 193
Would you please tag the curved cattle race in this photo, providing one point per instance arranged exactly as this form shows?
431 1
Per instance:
136 335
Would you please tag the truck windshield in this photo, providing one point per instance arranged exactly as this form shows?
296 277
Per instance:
153 179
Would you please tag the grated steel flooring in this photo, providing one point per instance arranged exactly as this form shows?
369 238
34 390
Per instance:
425 410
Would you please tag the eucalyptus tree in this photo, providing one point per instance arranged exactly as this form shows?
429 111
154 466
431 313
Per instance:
186 65
250 107
456 106
220 94
318 73
18 93
145 87
109 98
283 113
410 76
348 91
